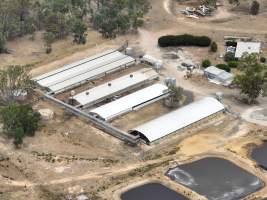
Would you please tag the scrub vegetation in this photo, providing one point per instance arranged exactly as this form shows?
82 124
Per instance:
60 18
17 115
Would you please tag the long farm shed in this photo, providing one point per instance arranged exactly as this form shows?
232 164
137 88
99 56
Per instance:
115 87
79 72
178 119
131 102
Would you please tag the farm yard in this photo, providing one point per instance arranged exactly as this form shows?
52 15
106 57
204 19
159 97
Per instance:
102 100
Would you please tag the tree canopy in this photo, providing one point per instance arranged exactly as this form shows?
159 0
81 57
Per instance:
63 17
19 121
118 16
15 81
252 78
254 8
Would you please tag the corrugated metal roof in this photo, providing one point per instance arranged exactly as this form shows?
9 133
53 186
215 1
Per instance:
69 76
128 103
151 59
247 47
115 86
81 69
220 76
75 64
213 70
180 118
67 84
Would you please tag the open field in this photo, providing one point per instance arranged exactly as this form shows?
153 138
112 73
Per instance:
69 156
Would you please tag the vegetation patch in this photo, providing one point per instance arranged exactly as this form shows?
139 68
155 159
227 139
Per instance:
184 40
224 67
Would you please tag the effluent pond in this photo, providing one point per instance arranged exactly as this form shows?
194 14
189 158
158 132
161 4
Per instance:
216 179
259 154
152 191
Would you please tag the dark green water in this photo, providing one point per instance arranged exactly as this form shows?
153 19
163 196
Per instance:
216 178
259 154
152 191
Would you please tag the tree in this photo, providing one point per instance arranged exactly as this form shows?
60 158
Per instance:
265 84
255 7
15 81
212 3
19 121
176 95
119 16
252 78
233 64
2 43
206 63
224 67
236 2
214 47
78 29
105 21
229 56
262 59
48 38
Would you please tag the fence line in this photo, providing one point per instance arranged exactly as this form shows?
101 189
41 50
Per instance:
106 127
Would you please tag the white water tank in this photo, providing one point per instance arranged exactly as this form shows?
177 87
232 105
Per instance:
169 80
158 66
219 96
129 51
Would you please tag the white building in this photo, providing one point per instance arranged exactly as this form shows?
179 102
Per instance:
115 87
218 76
247 47
131 102
77 73
178 119
152 61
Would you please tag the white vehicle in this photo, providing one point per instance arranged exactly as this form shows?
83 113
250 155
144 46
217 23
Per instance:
193 16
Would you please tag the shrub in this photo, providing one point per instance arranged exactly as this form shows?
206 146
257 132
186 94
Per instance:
262 59
184 40
166 41
233 64
255 7
206 63
19 121
224 67
231 43
229 56
2 43
214 47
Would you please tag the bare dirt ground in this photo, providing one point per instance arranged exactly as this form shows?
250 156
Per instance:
69 157
133 119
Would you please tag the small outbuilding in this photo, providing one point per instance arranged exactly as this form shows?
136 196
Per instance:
150 60
247 47
218 76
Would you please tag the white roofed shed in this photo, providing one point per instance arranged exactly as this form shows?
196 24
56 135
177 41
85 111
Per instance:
131 102
116 86
178 119
218 76
74 74
151 60
247 47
